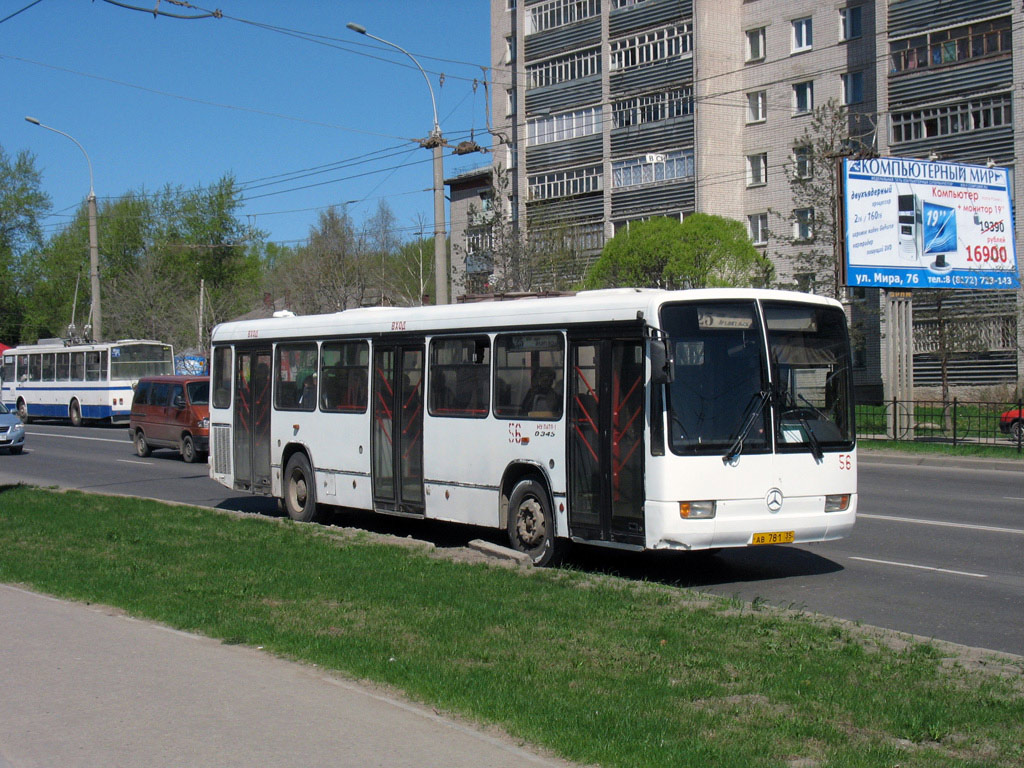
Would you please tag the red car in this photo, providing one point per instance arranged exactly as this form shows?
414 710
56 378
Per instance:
1012 422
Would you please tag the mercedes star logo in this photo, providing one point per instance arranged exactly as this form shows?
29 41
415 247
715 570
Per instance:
774 500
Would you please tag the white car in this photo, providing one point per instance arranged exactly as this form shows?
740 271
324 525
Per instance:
12 431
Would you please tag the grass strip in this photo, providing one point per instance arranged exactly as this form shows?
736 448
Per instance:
600 670
947 449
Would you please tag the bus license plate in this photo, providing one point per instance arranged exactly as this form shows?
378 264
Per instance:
773 537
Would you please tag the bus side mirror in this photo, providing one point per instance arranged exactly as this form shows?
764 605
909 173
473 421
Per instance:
663 367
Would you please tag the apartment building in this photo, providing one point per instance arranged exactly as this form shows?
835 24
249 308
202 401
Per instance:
606 112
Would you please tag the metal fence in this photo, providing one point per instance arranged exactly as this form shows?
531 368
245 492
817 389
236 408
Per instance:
956 422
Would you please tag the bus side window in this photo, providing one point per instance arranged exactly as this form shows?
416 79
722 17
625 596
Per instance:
222 377
528 376
78 366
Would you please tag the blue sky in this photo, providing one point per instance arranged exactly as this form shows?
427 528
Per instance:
305 116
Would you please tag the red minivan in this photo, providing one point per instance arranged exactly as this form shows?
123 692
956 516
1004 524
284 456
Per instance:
172 412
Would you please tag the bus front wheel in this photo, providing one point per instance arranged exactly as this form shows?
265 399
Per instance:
531 524
23 411
300 489
75 413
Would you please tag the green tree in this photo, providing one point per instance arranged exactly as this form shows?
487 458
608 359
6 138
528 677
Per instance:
700 252
22 205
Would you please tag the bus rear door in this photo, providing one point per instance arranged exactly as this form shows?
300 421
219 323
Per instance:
252 419
398 427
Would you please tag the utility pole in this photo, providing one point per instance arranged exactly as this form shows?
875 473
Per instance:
95 312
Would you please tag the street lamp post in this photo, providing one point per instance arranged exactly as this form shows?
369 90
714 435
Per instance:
94 250
433 142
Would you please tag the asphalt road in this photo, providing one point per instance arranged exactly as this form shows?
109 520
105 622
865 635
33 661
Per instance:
938 549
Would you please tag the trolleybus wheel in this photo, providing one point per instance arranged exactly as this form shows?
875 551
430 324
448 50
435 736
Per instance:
75 413
300 489
141 446
23 411
531 524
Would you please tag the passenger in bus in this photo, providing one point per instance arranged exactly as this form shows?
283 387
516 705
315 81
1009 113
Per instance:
307 398
541 396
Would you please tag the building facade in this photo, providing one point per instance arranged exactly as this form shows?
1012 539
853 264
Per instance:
607 112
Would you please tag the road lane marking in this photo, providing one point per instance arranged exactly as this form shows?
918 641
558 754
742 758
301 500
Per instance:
922 567
132 461
123 440
943 524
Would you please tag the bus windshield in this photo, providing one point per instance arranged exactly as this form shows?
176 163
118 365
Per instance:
133 361
811 372
720 376
720 400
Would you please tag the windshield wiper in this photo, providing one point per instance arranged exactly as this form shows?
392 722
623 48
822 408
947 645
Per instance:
755 410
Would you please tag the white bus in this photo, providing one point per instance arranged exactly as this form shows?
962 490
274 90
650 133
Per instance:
638 419
58 379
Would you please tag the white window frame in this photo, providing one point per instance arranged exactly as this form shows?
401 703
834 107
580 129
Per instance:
851 22
564 126
755 44
803 224
652 107
978 114
803 97
803 34
852 88
757 107
559 13
652 168
560 69
651 47
803 162
573 181
757 169
757 228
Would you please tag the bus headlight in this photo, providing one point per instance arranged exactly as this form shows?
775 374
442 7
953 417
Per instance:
837 502
696 510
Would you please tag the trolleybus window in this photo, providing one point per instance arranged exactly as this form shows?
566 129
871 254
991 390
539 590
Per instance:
344 371
295 374
133 361
96 366
78 366
460 376
63 366
221 377
528 375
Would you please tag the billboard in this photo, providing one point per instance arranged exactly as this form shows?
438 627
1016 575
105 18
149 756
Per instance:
919 224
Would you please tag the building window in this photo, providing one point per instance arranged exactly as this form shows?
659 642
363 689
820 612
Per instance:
803 224
803 162
803 97
651 168
625 3
576 181
852 88
806 282
649 48
558 13
850 23
757 169
564 68
949 46
757 226
510 102
802 38
652 107
757 106
755 44
951 119
569 125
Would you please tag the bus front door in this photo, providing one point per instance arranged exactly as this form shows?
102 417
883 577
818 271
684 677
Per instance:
252 420
606 439
397 442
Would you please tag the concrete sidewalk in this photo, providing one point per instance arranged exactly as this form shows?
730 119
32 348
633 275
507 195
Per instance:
84 686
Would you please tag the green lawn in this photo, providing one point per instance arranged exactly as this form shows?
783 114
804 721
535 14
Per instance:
598 669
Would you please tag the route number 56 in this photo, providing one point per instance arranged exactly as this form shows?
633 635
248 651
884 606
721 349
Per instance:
845 461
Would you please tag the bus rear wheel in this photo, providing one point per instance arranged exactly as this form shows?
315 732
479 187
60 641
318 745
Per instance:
23 411
75 413
531 524
300 489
